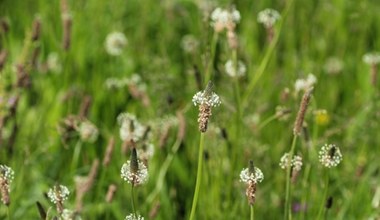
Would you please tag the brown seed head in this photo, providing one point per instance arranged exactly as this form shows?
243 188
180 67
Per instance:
302 111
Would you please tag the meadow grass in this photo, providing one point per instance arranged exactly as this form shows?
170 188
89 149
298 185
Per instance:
244 127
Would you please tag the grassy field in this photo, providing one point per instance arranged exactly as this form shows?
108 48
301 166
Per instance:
62 92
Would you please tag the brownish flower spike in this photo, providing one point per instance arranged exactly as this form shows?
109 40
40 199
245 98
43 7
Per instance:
302 111
206 100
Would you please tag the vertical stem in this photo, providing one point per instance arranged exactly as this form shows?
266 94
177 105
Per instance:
305 184
252 213
288 213
133 201
8 213
210 62
77 150
199 175
323 203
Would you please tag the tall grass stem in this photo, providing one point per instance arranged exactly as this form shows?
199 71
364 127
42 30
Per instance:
323 203
288 214
133 201
199 177
252 213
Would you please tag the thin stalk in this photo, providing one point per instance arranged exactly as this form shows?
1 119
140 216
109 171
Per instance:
210 62
162 173
323 203
8 213
288 213
199 176
267 121
252 213
305 181
133 201
265 61
77 150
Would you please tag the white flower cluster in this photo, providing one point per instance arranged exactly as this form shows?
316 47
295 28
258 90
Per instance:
53 62
146 151
330 155
333 65
68 214
58 194
372 58
135 178
202 97
130 128
115 43
268 17
189 44
305 84
248 177
224 19
7 174
295 162
88 131
235 71
117 83
133 217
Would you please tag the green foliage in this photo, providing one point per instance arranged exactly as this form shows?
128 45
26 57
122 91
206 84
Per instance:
310 35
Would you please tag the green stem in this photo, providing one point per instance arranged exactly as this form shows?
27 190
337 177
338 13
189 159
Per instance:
323 203
210 62
265 61
163 171
267 121
77 150
8 213
305 184
133 201
252 213
199 176
288 213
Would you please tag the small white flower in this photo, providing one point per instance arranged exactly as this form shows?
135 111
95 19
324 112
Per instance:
231 69
189 43
133 217
295 162
251 177
202 97
58 194
285 161
146 152
372 58
130 129
333 66
221 18
70 215
88 131
305 84
115 43
268 17
330 155
135 178
114 83
6 174
53 63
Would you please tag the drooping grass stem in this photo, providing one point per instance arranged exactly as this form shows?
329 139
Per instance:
288 214
199 177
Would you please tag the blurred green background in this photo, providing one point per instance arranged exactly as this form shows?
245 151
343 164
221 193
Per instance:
313 37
